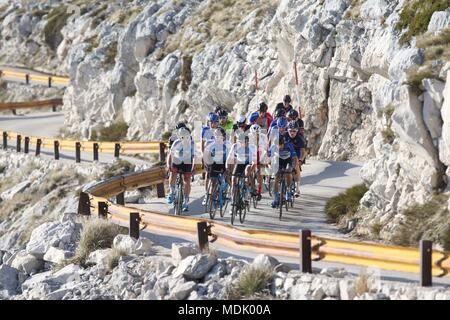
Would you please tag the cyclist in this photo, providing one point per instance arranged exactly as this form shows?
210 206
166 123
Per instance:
174 136
279 113
261 117
216 152
240 127
181 158
212 120
257 138
224 122
282 156
287 103
298 142
278 129
241 158
292 115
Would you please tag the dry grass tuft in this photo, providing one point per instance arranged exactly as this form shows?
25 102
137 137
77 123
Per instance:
253 282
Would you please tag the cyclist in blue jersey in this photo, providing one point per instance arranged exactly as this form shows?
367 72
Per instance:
181 156
207 137
278 129
282 156
298 142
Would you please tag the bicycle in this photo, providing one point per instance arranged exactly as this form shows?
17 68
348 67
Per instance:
283 192
217 195
239 206
179 197
253 189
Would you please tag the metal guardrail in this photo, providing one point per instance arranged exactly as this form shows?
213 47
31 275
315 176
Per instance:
31 104
117 148
29 77
97 200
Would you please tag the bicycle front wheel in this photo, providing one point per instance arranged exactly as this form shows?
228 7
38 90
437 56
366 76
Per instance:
243 206
235 204
282 195
212 199
178 204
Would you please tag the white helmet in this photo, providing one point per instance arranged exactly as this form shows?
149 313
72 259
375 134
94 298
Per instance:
255 128
183 133
241 119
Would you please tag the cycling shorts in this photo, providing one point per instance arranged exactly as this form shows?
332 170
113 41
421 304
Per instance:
215 169
239 169
186 168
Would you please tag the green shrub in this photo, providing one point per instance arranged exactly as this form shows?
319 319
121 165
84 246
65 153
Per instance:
56 20
113 258
388 135
429 221
253 281
39 13
346 203
415 16
115 132
416 75
96 234
110 55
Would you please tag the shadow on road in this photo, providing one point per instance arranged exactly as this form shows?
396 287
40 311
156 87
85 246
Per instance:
335 169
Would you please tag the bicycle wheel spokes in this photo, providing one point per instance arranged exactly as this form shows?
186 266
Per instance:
212 199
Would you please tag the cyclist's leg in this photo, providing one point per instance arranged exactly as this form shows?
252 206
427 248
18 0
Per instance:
172 181
276 190
187 186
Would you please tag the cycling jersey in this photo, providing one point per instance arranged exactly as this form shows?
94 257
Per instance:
207 133
242 154
228 126
182 153
298 142
263 122
216 153
285 153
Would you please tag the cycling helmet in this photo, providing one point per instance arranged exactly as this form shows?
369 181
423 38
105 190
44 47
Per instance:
279 113
183 133
253 117
263 107
222 113
212 117
241 120
287 98
217 109
293 125
282 123
180 125
292 114
255 128
220 132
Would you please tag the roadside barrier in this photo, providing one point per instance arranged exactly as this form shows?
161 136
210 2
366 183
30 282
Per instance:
99 200
53 103
28 77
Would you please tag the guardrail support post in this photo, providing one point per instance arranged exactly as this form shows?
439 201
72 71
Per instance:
84 204
56 147
161 193
27 78
5 140
95 147
202 230
38 147
305 251
162 152
116 150
14 112
27 145
134 225
19 142
120 198
102 210
425 263
49 82
54 108
77 152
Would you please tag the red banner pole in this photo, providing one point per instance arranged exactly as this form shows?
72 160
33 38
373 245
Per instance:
296 75
256 79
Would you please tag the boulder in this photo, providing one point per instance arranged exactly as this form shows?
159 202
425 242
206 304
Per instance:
346 290
216 273
55 255
99 257
439 20
181 251
69 273
51 234
27 263
265 261
195 267
10 193
35 279
182 291
8 279
141 246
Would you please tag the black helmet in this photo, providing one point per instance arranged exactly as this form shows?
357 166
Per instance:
280 112
263 107
292 114
217 109
287 98
293 125
180 125
222 113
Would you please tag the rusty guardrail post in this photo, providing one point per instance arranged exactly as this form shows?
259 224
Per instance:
27 79
134 225
19 142
102 209
95 147
202 230
426 263
38 147
120 198
14 112
305 251
116 150
77 152
54 108
49 82
162 152
56 149
84 204
5 140
27 145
